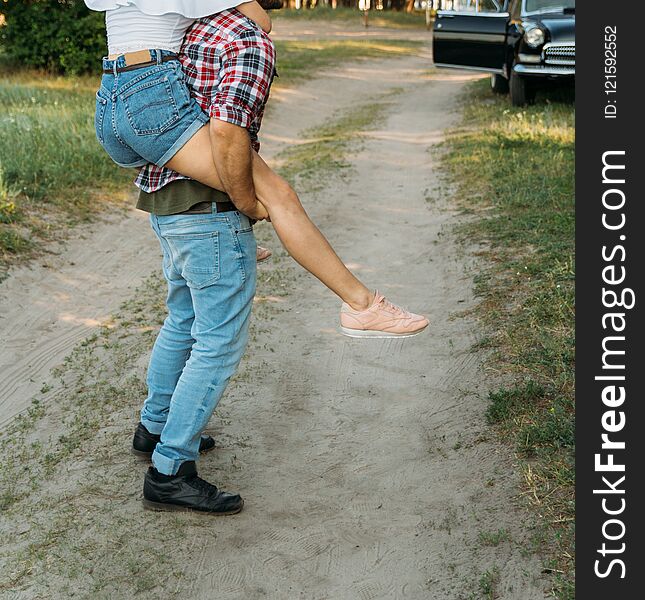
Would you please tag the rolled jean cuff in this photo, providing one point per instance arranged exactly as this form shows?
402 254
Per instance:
152 426
165 465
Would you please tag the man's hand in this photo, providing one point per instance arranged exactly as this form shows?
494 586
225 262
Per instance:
232 154
255 12
258 212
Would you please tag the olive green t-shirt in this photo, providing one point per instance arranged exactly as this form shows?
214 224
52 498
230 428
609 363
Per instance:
178 196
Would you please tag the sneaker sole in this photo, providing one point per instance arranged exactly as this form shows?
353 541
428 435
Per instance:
368 333
161 507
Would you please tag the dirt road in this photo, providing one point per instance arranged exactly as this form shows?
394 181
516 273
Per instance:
367 470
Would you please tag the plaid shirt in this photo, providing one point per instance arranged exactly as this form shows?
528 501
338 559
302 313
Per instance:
229 64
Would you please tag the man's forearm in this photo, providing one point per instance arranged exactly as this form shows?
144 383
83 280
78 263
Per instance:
232 154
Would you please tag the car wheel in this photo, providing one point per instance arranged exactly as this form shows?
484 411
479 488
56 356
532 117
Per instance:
522 90
499 84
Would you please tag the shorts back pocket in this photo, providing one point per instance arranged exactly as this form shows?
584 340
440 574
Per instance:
99 117
151 106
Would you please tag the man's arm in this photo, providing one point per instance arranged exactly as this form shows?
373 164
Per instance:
231 146
247 68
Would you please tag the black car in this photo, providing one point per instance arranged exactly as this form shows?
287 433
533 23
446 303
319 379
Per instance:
523 43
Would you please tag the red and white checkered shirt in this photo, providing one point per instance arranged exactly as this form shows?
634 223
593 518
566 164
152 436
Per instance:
229 64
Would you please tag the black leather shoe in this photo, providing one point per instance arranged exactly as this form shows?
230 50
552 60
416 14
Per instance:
144 442
185 491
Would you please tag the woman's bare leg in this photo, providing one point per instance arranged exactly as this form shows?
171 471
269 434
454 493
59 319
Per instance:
184 162
303 240
195 160
300 237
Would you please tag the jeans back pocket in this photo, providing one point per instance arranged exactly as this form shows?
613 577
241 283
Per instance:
195 256
151 106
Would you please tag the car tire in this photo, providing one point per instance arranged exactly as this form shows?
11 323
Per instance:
499 84
522 90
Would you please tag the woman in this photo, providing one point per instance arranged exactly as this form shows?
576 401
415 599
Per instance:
156 28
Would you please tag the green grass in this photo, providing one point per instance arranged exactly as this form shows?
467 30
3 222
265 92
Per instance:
493 538
514 169
47 140
51 166
300 60
377 18
488 583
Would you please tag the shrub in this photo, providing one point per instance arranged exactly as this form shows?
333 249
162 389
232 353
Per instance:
62 36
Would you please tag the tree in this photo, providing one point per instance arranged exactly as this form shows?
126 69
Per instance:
63 36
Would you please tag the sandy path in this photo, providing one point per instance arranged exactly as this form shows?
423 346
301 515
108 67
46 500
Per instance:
48 307
365 466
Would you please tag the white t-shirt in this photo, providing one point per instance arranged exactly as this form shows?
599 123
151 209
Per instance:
194 9
141 24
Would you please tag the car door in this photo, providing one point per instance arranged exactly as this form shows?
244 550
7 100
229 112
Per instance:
471 34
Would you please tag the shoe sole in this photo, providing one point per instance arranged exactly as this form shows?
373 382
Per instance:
148 455
367 333
161 507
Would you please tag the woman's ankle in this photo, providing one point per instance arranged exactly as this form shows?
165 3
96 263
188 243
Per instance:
361 301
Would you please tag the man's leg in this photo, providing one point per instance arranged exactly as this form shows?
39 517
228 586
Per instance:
172 347
216 256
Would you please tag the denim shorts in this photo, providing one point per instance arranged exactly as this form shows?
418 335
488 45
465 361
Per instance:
147 114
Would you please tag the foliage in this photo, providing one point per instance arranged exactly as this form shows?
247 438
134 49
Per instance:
62 36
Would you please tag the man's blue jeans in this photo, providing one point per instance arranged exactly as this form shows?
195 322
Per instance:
209 261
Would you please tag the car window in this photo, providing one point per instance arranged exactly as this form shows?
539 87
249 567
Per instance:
480 6
533 6
490 6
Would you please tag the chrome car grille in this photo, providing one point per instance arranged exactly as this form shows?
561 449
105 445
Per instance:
560 54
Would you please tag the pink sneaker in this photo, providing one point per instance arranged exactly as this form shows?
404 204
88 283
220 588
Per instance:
381 320
263 254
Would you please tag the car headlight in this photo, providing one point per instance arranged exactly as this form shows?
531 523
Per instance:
534 37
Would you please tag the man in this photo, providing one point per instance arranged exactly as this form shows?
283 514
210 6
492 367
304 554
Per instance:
209 262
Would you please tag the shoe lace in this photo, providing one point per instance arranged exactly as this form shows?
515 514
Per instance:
203 485
393 308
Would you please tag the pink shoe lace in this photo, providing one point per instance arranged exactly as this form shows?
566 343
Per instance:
381 301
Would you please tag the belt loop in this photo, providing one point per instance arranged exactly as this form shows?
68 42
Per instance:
115 66
159 56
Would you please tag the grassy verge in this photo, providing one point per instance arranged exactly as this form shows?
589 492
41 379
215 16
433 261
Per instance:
53 173
514 169
377 18
51 167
